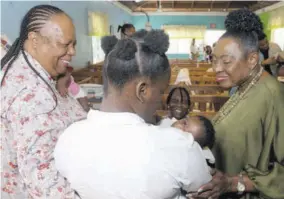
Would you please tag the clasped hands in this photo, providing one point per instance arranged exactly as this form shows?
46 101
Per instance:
220 184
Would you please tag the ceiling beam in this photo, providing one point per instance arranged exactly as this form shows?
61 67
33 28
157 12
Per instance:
141 5
211 6
192 5
173 4
228 5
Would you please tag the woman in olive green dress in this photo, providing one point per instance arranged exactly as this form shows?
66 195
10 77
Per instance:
249 148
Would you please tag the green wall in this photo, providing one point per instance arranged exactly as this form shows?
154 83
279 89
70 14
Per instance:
265 19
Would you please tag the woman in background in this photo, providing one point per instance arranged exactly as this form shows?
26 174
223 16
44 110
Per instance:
33 113
193 50
249 148
126 30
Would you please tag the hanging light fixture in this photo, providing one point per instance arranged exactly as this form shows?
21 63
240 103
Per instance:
148 25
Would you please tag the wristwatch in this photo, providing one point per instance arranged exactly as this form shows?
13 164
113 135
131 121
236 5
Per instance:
241 185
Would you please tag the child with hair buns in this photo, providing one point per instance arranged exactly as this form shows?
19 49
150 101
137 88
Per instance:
119 154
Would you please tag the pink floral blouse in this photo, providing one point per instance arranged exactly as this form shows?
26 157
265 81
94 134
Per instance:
31 123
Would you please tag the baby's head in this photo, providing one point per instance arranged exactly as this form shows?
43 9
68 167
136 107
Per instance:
201 129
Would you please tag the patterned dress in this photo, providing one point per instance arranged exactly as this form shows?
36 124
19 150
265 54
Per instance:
31 123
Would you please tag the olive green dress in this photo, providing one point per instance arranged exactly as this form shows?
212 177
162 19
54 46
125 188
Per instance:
251 139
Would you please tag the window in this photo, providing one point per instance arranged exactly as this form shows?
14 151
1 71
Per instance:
212 36
182 45
98 27
98 53
277 36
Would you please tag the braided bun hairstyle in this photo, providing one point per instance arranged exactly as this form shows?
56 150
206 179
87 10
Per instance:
33 21
107 43
244 26
141 55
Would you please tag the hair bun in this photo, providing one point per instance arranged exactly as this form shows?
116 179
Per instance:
140 35
125 49
108 43
156 41
243 20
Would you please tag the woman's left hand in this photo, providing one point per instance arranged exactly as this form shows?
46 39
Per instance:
219 185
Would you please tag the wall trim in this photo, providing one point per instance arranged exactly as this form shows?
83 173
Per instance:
269 8
129 11
121 6
182 14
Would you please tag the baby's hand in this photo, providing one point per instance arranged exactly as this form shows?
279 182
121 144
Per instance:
62 91
62 85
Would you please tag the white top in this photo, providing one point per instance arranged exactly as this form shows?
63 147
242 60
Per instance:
207 153
119 156
274 50
193 49
167 122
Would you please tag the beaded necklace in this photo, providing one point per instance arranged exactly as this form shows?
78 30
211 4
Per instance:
235 99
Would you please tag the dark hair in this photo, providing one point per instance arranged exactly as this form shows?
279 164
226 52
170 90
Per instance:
261 36
209 130
33 21
107 43
141 55
124 27
244 26
180 89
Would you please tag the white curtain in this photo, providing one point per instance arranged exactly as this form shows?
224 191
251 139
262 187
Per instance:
184 31
98 24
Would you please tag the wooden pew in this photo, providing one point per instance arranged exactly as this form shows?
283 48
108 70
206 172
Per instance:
202 89
202 73
96 67
209 115
191 69
85 75
197 80
181 61
203 103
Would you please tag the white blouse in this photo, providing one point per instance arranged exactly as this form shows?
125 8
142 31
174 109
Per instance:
31 123
119 156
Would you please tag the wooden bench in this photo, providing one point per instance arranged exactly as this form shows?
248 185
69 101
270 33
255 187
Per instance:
209 115
85 75
96 67
196 80
202 89
203 103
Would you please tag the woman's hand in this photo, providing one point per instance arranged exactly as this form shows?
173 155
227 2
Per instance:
220 184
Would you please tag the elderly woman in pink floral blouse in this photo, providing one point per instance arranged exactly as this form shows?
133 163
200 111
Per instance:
33 113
